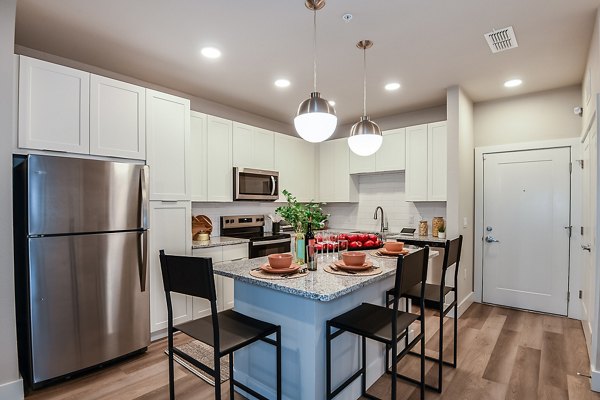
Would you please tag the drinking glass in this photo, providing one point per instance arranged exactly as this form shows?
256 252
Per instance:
342 247
311 257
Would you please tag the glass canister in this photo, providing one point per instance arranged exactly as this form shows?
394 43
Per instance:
436 223
423 227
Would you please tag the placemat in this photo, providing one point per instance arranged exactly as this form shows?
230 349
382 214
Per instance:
368 272
265 275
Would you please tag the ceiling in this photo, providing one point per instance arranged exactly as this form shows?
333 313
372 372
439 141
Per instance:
426 45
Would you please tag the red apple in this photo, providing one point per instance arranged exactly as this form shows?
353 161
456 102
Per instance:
352 237
319 247
358 244
318 238
330 246
373 237
369 243
342 236
363 237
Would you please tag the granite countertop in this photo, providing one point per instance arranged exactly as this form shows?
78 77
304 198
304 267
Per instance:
317 285
218 241
417 238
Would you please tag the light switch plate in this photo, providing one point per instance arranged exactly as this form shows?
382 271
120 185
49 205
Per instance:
464 222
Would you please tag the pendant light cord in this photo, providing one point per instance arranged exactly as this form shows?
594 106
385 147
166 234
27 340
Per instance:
314 49
365 82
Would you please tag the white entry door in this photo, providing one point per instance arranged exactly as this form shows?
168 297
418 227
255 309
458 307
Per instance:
526 229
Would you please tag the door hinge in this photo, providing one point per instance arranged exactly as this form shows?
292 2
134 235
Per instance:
570 228
581 231
581 294
580 163
568 296
570 167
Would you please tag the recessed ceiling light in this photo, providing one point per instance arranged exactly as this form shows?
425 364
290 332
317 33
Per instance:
392 86
282 83
513 83
211 52
331 103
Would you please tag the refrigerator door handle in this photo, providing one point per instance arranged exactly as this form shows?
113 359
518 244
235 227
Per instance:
143 259
144 190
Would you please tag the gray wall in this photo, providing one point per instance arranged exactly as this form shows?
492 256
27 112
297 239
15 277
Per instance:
10 385
539 116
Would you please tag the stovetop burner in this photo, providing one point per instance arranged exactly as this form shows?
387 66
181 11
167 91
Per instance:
248 227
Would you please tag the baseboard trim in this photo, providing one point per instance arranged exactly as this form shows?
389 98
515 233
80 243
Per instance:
595 381
12 390
463 305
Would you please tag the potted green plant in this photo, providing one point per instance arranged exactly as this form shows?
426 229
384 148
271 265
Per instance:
298 215
442 231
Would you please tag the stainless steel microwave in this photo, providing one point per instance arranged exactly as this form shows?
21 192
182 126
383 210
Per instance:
255 184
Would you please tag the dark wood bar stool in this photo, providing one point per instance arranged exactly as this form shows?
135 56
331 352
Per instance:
225 332
383 324
434 297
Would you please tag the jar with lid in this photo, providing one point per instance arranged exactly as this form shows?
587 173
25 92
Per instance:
436 223
423 227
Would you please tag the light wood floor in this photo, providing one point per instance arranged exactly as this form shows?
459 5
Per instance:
502 354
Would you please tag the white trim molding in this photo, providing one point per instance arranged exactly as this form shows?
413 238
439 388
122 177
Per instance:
574 310
12 390
595 381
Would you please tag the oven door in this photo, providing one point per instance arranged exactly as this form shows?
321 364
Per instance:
255 184
265 247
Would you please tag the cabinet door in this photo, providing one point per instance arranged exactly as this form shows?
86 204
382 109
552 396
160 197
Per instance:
53 107
345 186
285 164
359 164
168 128
201 307
416 163
243 138
437 164
220 177
305 170
230 253
392 154
169 231
198 156
327 175
117 119
263 151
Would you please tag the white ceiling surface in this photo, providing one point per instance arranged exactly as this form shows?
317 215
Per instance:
426 45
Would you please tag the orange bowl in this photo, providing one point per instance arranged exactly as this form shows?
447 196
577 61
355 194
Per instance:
354 258
396 247
280 261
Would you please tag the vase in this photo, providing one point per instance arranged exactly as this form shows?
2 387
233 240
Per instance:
298 248
442 235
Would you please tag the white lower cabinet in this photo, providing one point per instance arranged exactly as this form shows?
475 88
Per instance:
223 284
170 230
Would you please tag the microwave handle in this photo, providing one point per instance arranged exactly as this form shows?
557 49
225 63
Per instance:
273 185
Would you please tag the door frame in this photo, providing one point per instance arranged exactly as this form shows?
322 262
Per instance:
574 309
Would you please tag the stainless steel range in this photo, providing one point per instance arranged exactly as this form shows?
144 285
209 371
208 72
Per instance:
252 227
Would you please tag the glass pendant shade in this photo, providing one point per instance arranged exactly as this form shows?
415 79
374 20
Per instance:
316 120
365 137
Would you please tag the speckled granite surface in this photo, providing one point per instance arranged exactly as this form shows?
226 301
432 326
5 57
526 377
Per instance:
218 241
317 285
416 238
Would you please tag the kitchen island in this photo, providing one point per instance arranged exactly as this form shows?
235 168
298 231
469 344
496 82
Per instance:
301 306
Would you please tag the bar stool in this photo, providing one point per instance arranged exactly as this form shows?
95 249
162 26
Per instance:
225 332
383 324
434 297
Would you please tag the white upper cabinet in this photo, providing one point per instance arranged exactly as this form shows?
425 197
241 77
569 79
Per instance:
426 154
335 182
295 161
168 134
437 161
390 157
219 143
252 147
199 156
53 107
117 118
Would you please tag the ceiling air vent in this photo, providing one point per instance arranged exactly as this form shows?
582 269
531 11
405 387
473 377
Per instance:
501 39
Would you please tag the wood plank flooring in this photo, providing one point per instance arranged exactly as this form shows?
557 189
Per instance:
503 354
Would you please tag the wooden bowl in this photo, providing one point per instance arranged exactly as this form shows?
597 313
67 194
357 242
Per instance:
354 258
280 261
396 247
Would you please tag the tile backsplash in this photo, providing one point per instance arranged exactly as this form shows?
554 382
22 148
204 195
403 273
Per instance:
388 191
385 190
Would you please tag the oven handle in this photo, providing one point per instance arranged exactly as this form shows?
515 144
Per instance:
266 242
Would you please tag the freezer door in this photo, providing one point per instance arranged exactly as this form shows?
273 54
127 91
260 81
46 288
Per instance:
87 302
70 195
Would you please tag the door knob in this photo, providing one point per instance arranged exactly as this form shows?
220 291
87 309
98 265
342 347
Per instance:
586 247
490 239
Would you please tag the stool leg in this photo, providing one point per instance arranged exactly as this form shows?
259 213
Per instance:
441 347
217 367
455 333
328 359
394 364
423 358
231 389
171 368
363 380
279 388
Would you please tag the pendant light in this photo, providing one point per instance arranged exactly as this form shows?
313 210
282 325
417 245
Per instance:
316 120
365 136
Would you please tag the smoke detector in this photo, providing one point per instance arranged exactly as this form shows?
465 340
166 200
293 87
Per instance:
501 39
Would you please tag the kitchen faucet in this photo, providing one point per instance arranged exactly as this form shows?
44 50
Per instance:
384 227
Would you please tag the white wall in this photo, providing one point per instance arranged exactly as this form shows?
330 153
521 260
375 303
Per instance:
388 191
10 383
533 117
460 205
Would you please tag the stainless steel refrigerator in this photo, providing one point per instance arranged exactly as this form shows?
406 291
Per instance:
81 263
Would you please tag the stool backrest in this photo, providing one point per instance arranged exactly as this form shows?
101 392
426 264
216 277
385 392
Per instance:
452 251
188 275
410 271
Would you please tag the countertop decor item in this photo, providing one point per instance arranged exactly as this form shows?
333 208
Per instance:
316 120
365 136
201 228
423 228
442 231
435 225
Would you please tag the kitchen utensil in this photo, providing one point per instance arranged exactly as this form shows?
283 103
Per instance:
394 246
201 224
354 258
280 261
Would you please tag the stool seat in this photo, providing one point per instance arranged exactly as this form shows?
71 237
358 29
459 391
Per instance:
432 294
